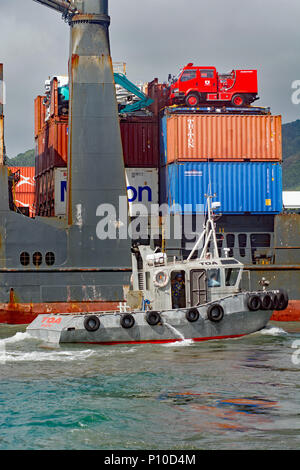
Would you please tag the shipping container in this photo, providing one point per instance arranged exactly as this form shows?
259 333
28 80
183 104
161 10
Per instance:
199 137
140 140
24 190
142 188
241 188
159 93
39 115
51 149
60 191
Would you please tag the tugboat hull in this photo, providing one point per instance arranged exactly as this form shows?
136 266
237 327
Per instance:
173 325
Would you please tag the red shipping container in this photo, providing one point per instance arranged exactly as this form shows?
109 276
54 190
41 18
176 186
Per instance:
39 115
140 140
159 92
196 137
57 144
25 190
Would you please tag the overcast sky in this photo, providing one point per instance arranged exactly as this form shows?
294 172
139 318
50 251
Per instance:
154 38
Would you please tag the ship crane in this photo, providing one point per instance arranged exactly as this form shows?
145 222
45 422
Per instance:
82 267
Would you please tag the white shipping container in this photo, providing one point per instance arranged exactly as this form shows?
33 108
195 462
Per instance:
60 191
142 188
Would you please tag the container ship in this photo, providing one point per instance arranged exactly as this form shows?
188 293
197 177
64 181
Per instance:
95 144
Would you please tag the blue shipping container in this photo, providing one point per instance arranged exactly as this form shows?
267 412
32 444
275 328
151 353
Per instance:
247 187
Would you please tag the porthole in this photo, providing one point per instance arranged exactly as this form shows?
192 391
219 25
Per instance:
37 258
24 258
50 258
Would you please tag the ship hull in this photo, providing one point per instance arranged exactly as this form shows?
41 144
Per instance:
173 326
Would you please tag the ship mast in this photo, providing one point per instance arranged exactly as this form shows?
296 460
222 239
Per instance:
208 234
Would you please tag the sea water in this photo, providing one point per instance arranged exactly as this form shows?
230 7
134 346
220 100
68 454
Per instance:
228 394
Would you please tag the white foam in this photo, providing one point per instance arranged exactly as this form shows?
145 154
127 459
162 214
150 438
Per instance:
42 356
15 339
273 331
182 341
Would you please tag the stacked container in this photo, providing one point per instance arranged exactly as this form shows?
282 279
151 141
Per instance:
24 191
51 149
237 157
140 139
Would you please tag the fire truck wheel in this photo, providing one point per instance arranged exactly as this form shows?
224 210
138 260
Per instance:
192 100
238 100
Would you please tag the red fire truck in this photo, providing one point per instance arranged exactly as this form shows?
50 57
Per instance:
196 85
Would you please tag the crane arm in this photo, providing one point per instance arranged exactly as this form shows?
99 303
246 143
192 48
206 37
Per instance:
63 6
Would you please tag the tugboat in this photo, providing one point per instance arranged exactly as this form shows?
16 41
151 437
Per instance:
195 299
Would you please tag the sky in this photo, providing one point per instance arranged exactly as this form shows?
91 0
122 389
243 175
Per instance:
154 38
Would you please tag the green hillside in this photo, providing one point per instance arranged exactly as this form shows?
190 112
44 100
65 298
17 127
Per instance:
291 155
23 159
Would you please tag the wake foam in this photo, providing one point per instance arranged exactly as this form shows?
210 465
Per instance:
273 331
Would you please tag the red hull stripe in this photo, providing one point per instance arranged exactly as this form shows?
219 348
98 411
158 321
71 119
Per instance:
161 341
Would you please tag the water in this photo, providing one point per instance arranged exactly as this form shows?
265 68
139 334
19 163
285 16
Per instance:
233 394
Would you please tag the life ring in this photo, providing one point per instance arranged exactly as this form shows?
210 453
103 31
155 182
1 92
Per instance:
192 315
283 299
153 318
266 302
215 312
91 323
160 279
254 302
127 321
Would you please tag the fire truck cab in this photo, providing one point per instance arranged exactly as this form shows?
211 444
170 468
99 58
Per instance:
195 85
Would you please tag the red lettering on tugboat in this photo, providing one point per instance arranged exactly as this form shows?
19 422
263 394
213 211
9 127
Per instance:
49 321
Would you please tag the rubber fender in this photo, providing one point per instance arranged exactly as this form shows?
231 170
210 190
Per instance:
192 315
275 300
91 323
215 312
127 321
266 302
283 299
153 318
254 302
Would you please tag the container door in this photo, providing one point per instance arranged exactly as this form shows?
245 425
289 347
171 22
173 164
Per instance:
198 287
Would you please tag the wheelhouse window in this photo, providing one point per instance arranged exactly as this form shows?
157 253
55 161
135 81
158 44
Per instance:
188 75
213 278
231 276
